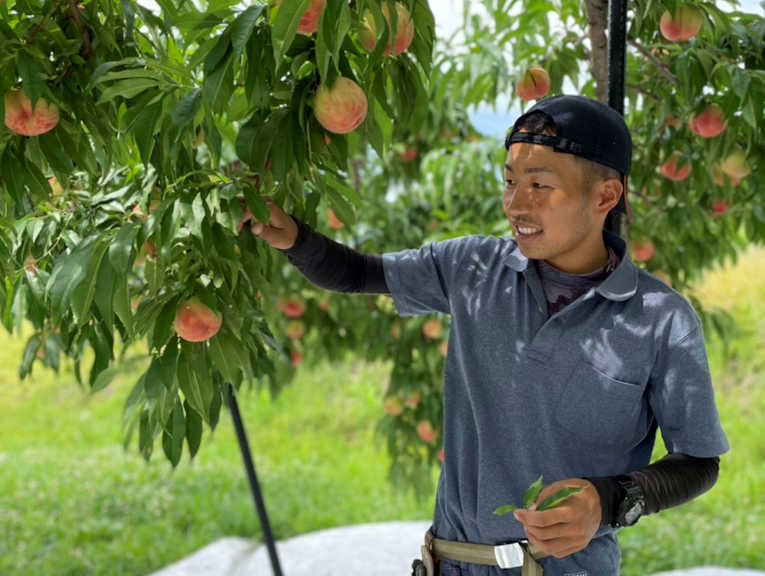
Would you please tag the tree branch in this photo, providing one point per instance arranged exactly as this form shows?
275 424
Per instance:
642 90
596 12
33 34
77 17
656 62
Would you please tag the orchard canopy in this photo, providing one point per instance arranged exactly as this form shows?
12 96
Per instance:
136 135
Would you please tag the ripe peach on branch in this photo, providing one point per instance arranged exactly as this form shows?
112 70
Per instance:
195 322
534 84
21 118
683 25
340 108
710 123
671 170
404 30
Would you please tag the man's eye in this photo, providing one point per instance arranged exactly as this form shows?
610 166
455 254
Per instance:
509 182
539 185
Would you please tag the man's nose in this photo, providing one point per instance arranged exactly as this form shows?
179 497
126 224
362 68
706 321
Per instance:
519 202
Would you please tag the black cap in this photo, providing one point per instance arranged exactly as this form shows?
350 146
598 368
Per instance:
584 127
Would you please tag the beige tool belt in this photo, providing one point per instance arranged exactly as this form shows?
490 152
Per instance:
516 555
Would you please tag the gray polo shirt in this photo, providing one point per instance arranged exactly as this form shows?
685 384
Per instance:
578 393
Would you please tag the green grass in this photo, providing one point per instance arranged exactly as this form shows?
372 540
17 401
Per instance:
72 502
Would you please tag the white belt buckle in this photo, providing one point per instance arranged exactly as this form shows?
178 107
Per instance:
509 555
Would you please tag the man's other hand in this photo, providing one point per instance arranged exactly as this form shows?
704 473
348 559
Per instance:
280 231
567 528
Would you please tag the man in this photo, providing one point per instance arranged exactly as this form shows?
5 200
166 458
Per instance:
564 357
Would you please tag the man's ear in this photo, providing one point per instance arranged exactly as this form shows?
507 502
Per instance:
607 193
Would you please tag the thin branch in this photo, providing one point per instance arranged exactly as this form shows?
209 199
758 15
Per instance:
642 90
33 34
77 17
656 62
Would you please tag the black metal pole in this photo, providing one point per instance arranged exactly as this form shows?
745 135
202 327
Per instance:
616 220
253 479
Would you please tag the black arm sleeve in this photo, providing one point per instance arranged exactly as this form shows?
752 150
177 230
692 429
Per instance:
334 266
668 482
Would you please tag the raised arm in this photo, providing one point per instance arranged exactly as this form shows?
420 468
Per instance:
323 261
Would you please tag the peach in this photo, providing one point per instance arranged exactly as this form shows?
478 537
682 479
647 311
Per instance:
426 432
30 263
719 207
195 322
395 331
710 123
55 187
409 153
432 329
342 108
309 22
296 356
444 348
643 250
22 119
534 84
334 222
324 304
440 455
393 406
292 308
683 25
735 165
670 168
404 30
413 399
295 329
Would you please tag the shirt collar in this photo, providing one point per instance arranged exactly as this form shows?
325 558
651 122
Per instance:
620 285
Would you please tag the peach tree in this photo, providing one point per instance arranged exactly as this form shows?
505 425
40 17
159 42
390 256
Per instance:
127 210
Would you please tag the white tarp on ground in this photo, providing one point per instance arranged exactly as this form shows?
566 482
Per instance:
380 549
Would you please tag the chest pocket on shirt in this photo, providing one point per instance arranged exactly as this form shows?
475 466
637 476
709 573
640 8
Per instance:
600 409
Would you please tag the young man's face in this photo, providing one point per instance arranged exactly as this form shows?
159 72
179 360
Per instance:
544 191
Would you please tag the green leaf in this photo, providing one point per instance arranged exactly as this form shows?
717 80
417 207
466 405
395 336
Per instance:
162 371
194 378
31 75
505 509
127 89
532 493
559 497
69 271
82 296
186 109
29 355
193 429
122 246
164 324
172 442
285 26
242 26
121 303
221 351
144 128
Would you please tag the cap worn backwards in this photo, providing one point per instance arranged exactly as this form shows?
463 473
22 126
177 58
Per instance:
584 127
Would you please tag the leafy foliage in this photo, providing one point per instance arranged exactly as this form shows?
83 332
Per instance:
167 119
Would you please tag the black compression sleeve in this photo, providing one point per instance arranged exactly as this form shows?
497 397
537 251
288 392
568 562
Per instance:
668 482
334 266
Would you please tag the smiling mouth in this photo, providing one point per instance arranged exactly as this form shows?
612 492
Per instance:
527 230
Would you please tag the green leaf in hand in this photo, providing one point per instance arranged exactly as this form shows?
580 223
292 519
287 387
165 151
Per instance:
532 493
505 509
559 497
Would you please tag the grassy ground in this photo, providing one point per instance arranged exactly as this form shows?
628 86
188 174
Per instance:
72 502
